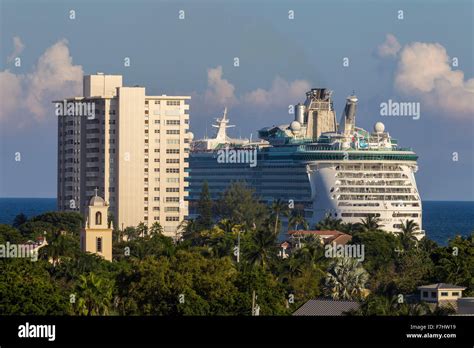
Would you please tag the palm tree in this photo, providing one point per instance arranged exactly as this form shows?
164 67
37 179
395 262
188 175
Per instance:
94 295
190 230
279 208
370 224
60 245
296 219
131 233
346 279
142 229
329 223
262 248
409 229
311 251
156 229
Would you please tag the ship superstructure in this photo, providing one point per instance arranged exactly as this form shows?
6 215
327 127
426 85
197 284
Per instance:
322 167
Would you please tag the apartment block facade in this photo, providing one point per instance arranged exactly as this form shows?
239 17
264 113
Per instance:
134 150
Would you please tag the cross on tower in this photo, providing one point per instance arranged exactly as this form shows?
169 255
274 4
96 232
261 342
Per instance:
96 190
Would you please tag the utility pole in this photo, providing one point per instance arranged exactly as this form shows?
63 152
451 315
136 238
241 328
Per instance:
253 303
255 306
237 248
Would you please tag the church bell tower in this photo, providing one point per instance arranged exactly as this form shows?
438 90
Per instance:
96 236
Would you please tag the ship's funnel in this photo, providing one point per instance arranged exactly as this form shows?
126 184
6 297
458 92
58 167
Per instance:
348 118
299 112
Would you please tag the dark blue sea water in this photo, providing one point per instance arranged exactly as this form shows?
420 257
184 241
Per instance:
441 220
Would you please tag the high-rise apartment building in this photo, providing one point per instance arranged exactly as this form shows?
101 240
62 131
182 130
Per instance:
132 147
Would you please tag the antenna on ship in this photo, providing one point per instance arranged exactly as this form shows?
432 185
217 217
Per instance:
222 125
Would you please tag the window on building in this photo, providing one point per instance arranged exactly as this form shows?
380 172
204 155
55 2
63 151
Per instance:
98 218
433 294
425 293
98 244
172 218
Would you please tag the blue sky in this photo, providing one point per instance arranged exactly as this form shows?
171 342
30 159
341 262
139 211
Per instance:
278 58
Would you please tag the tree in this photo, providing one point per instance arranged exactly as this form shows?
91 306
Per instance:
271 295
278 208
186 283
306 284
26 288
383 305
204 207
262 248
94 295
380 249
407 236
222 237
156 229
61 245
142 230
346 279
370 224
413 268
131 233
191 231
62 221
330 224
239 204
455 263
19 220
10 234
297 219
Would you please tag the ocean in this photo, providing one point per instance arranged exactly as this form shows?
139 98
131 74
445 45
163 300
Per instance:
442 220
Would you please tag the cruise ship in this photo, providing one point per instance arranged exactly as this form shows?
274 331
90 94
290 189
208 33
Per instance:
318 165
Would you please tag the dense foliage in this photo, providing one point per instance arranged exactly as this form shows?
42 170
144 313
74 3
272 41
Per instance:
226 261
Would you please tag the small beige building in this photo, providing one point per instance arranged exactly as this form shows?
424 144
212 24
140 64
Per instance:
96 236
440 292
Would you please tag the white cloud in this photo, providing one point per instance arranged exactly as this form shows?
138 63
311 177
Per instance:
281 92
222 93
10 93
27 97
390 47
219 91
55 77
18 47
424 70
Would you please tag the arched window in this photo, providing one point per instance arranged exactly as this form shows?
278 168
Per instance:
98 218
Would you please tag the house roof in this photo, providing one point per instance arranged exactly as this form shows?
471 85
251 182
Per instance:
326 307
342 239
441 286
329 236
317 233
